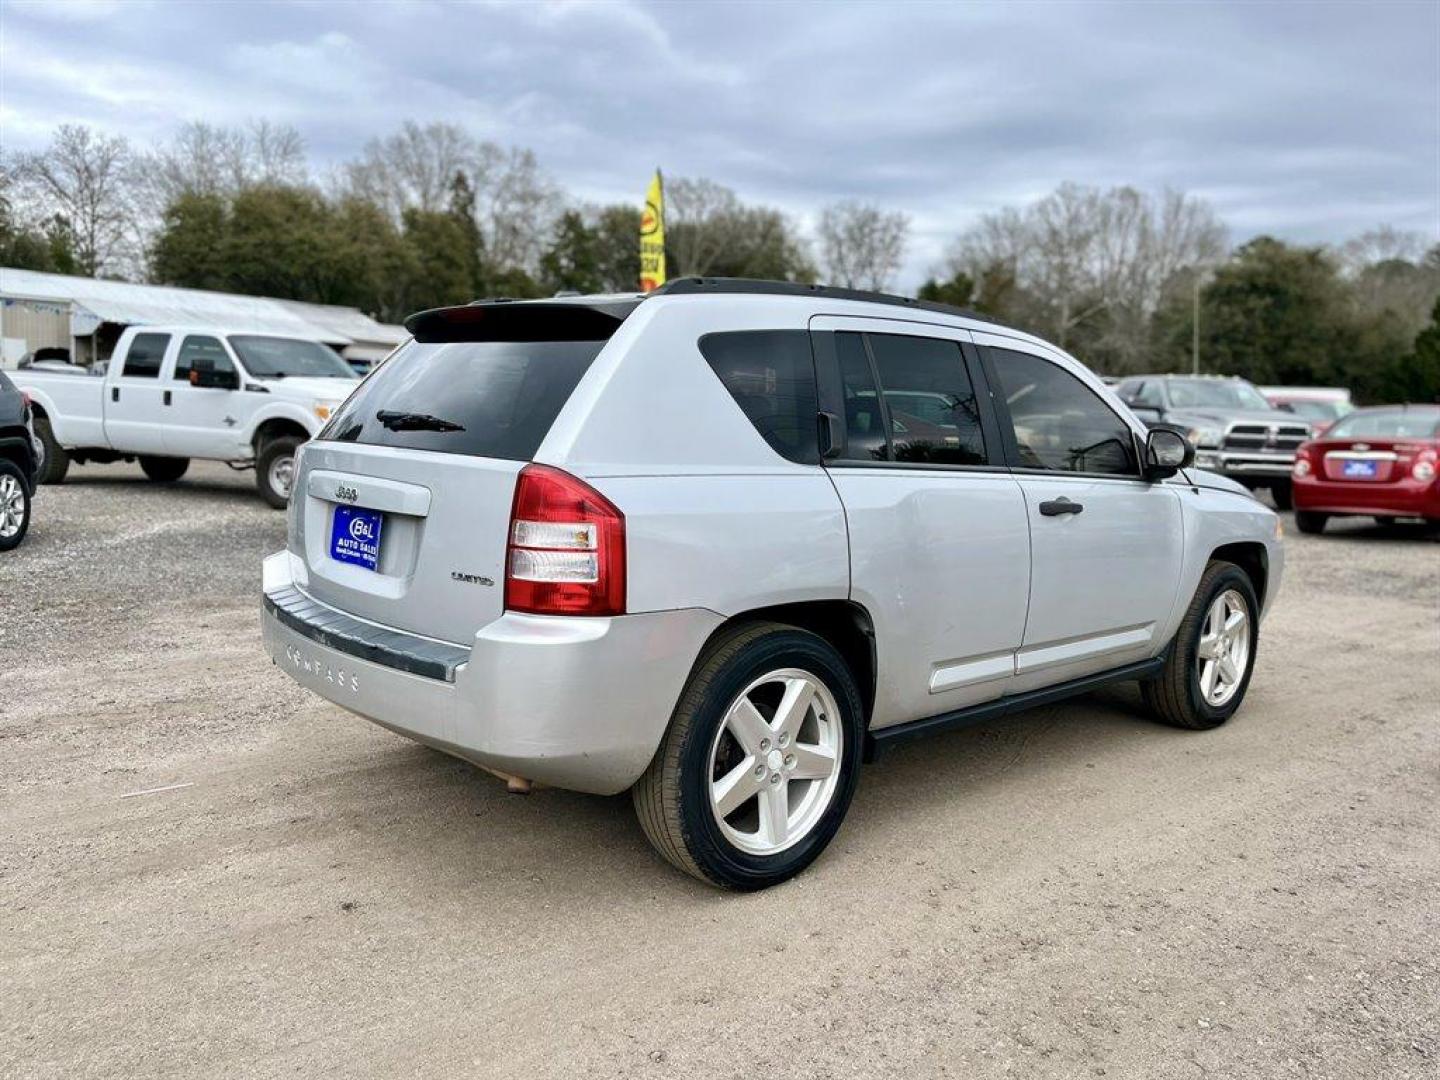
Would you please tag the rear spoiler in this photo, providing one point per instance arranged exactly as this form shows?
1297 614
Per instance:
521 320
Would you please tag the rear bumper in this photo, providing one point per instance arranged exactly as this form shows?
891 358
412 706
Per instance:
578 703
1400 498
1245 466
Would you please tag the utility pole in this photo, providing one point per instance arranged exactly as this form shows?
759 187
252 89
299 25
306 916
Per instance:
1195 327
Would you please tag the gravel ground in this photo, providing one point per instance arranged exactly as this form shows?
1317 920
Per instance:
1074 893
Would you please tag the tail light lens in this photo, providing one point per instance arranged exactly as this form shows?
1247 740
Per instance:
1303 464
1424 468
567 547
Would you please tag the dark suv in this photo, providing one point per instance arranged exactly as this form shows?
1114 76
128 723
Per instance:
19 463
1236 431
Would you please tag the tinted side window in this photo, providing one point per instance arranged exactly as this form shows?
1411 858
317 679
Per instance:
1059 423
771 376
934 416
146 353
196 346
864 424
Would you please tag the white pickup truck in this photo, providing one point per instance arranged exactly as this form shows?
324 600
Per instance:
170 393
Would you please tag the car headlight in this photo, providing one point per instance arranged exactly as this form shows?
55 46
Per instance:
326 409
1206 436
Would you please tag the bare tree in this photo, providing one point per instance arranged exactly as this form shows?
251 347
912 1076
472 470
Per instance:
207 159
710 231
85 178
861 244
516 203
1093 264
1381 245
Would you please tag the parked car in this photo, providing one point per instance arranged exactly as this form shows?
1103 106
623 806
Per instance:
1237 432
1320 405
1378 462
19 458
675 545
171 393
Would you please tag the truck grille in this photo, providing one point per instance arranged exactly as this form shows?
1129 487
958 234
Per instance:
1268 438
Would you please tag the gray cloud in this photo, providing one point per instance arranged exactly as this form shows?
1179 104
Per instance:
1312 122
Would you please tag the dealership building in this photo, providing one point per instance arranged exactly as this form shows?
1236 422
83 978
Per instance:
87 315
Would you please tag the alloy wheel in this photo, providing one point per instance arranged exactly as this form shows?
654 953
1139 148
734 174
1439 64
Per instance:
12 506
774 764
1223 653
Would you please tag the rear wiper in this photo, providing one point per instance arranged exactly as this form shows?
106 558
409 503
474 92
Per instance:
415 421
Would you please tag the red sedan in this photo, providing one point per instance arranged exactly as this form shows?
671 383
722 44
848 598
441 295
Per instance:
1381 463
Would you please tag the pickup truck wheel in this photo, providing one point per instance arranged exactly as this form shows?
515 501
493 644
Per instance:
275 470
1310 521
14 506
57 461
760 760
1213 654
1283 495
164 470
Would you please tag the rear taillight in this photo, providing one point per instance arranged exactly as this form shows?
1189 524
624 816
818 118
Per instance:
567 547
1424 469
1302 461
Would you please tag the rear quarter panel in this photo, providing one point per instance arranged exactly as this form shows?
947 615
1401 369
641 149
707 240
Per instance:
714 518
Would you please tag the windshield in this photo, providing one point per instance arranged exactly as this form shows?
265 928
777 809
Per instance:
281 358
1320 410
1388 424
1216 394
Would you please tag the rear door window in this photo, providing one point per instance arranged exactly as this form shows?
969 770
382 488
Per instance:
864 422
145 355
493 399
771 376
934 415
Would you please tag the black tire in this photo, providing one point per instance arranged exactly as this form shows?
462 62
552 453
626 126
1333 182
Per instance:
1311 521
21 491
164 470
1174 695
57 461
272 452
1283 495
672 799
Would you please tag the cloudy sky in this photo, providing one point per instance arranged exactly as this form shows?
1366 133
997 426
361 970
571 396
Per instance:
1308 121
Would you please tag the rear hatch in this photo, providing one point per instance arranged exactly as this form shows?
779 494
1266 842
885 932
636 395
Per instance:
402 506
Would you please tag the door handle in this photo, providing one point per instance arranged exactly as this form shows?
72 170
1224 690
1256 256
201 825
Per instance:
115 393
1062 505
167 397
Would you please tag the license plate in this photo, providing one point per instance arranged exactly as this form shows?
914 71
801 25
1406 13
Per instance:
1360 470
355 536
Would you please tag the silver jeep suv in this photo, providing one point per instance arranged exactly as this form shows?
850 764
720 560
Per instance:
719 544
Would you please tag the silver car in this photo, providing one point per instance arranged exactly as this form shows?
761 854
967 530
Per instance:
720 544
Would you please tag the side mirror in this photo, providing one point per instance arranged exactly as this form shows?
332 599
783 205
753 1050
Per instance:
203 373
1167 451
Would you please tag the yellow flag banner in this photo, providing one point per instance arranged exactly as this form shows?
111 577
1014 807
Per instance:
652 237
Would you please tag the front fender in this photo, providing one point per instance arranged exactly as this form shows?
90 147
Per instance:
287 411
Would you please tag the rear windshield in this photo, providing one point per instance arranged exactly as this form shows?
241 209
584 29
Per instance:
494 399
1407 424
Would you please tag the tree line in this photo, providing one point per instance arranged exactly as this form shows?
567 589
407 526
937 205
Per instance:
1126 280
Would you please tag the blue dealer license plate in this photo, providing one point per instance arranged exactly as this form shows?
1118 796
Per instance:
355 536
1361 470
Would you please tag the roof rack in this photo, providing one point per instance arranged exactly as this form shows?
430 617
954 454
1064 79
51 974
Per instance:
690 286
